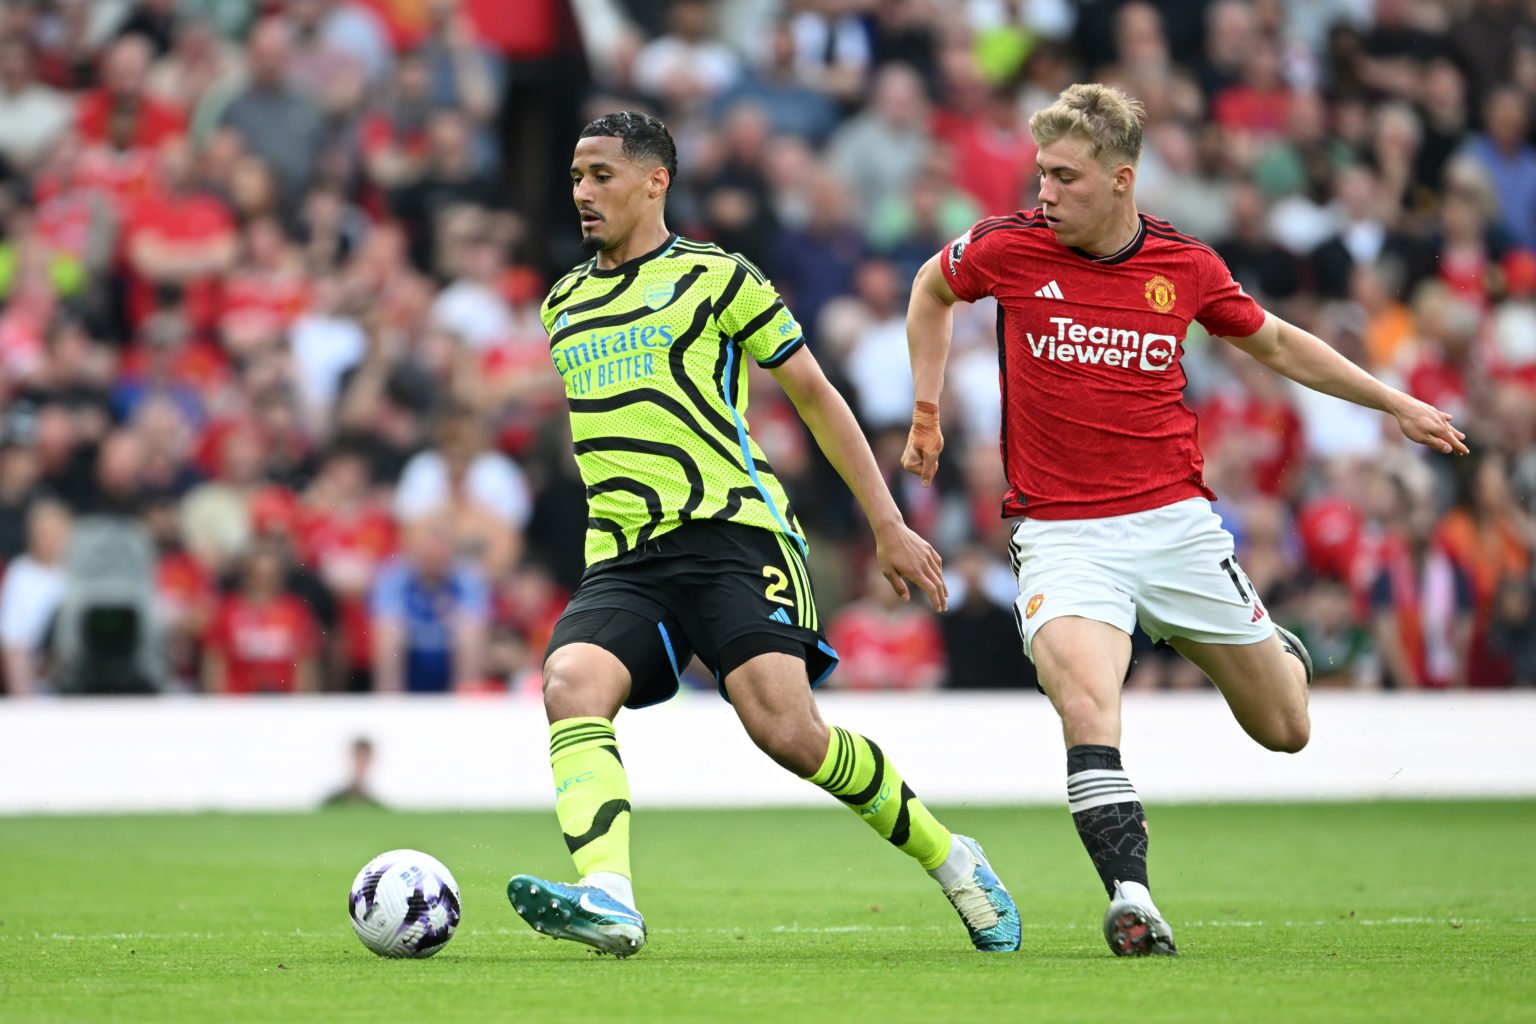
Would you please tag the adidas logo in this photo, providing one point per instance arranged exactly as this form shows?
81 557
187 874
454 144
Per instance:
562 322
1258 612
1050 291
780 615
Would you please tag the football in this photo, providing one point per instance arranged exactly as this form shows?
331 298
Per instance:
404 903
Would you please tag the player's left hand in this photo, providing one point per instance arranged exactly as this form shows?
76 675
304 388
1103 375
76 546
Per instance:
1429 426
903 555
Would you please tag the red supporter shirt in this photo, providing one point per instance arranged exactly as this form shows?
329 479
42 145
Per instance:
350 549
1094 421
1272 435
172 220
884 650
153 124
263 643
264 301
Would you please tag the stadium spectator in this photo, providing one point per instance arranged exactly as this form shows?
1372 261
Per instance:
123 95
463 73
201 71
777 86
274 119
177 243
1512 632
687 66
472 306
430 615
394 133
30 595
262 639
118 486
332 37
357 789
345 536
19 476
33 117
168 438
1510 162
462 459
885 643
979 647
1231 35
818 261
451 177
1421 603
833 51
154 21
1364 236
879 153
327 343
1264 269
1488 539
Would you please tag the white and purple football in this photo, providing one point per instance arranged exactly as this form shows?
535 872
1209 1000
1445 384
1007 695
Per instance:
404 903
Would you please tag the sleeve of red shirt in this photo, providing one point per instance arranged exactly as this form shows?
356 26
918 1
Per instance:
1225 309
969 262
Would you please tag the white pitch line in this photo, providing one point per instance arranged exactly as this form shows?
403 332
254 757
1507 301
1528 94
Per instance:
782 929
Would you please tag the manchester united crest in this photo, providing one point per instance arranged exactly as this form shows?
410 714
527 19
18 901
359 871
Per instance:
1160 294
1033 606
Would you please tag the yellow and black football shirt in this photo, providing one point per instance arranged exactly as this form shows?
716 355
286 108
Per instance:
653 355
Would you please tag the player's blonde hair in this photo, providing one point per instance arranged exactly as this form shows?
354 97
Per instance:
1109 119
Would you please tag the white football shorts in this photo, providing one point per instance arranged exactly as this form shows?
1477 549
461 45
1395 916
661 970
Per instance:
1172 569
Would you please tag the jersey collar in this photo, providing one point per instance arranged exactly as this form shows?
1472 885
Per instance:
630 266
1130 248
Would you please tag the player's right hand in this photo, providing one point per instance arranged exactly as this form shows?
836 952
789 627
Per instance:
924 443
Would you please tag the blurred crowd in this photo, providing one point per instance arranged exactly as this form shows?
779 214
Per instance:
276 411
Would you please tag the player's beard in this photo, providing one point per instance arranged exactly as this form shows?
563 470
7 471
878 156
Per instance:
591 244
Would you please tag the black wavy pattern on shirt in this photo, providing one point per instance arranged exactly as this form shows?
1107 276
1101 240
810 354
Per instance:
684 283
644 492
611 402
611 528
685 383
659 448
733 500
580 275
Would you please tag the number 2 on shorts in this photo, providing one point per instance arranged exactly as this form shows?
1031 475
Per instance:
778 583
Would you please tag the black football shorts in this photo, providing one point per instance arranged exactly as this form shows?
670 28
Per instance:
723 591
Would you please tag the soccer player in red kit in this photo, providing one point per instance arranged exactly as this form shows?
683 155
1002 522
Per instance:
1116 527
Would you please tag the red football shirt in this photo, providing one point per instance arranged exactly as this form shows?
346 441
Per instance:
173 220
1094 421
347 551
262 643
153 122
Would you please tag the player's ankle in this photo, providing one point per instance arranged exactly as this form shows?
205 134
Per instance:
957 867
614 884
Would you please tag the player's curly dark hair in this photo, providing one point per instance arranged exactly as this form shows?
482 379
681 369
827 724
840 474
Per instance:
643 136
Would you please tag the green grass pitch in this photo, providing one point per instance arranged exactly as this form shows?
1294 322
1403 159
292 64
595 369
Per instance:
1377 912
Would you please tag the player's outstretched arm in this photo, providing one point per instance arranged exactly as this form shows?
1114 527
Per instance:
930 319
901 552
1309 360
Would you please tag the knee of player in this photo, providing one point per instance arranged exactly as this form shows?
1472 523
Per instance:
1085 712
798 746
567 692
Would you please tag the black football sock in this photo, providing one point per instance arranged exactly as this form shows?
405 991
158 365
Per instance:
1108 814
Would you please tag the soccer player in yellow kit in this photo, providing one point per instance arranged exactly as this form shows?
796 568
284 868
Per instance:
692 544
